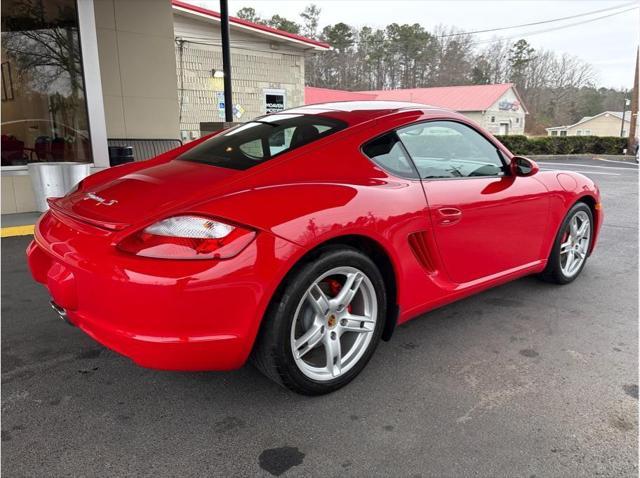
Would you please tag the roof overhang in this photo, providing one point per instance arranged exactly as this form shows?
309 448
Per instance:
273 34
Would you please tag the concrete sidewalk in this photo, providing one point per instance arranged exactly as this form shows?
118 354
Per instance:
20 224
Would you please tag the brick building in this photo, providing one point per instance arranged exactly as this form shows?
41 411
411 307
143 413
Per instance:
267 67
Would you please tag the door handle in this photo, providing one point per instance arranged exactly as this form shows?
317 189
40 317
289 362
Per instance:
450 212
449 215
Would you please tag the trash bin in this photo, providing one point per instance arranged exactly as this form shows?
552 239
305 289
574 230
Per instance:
55 179
120 155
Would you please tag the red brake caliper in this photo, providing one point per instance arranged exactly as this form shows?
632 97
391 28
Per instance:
334 288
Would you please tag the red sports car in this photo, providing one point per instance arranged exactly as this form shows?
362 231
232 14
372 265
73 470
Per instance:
300 239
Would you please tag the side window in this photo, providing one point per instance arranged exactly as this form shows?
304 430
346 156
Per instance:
446 149
253 149
294 136
388 153
280 140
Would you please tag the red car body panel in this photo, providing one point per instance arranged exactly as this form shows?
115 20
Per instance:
205 314
169 314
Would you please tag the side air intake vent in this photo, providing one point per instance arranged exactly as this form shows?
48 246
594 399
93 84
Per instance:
418 243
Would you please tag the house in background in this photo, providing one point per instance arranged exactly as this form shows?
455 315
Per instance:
607 123
267 68
497 108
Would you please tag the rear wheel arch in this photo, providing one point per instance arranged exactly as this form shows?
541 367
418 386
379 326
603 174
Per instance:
364 244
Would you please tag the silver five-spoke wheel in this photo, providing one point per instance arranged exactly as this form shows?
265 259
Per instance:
575 244
334 323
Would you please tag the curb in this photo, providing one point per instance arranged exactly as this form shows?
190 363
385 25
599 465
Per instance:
561 157
17 231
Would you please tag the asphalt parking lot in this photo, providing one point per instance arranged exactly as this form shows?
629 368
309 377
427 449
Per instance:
527 379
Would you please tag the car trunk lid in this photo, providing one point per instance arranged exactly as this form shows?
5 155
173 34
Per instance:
126 200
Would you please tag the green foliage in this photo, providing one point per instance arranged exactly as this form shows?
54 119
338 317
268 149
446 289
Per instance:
276 21
524 145
340 36
249 14
310 19
520 56
281 23
481 71
557 89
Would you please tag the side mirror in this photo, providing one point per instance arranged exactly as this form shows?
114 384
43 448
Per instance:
521 166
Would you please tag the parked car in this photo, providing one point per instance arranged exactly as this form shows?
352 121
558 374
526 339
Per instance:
300 239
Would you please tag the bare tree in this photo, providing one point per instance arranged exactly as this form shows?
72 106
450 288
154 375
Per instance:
555 88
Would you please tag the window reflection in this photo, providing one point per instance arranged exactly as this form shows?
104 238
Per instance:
44 112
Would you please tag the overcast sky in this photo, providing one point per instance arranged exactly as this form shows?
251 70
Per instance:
609 44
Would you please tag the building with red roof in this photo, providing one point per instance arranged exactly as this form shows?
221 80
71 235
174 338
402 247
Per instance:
498 108
314 95
267 67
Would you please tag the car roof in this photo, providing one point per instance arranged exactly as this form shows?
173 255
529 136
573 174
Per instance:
354 112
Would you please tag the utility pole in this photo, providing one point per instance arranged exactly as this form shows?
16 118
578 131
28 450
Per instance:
226 60
625 103
634 108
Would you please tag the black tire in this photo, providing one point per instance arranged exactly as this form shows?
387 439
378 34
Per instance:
272 353
553 272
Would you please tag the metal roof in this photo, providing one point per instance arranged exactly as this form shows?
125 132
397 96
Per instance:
456 98
194 10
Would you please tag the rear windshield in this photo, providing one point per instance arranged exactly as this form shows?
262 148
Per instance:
260 140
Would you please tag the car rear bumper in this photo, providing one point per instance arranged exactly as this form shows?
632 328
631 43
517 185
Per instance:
162 314
215 352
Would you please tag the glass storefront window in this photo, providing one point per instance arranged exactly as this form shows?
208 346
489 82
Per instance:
44 110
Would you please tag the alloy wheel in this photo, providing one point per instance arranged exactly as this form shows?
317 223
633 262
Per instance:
575 244
334 323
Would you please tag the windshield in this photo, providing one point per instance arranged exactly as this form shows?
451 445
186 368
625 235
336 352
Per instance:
260 140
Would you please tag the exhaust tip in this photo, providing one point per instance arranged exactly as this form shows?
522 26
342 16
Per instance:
61 312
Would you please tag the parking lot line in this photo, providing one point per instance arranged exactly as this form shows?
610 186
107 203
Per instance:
615 161
17 231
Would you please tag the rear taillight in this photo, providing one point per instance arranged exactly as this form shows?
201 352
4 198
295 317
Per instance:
188 237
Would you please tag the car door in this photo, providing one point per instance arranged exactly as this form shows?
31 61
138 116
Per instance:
485 220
